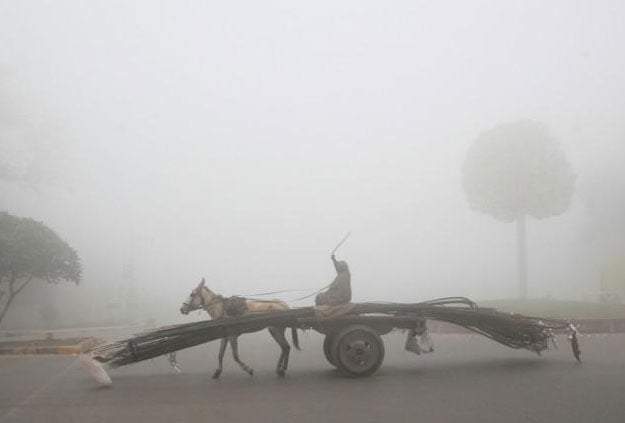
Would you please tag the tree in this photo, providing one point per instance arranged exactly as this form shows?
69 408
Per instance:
30 250
517 170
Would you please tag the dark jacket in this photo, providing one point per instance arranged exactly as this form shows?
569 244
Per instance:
340 290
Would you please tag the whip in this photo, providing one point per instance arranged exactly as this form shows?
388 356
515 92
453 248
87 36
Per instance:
341 243
332 254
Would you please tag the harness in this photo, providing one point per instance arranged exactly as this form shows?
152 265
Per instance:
233 306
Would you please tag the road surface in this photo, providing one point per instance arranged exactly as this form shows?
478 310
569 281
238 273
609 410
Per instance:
467 379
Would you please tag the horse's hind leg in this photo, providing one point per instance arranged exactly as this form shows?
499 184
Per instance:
222 350
283 361
234 343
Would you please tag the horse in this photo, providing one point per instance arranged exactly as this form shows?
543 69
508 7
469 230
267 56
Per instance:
219 307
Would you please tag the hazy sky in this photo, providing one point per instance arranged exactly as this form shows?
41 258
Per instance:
241 140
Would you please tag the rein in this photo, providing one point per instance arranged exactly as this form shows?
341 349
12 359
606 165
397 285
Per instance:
314 293
262 294
284 291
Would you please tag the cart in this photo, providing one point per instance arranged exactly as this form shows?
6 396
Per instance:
353 342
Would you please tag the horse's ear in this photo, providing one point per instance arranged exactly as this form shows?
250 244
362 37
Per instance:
203 282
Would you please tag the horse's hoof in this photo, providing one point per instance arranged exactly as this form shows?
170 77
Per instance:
250 372
281 372
216 374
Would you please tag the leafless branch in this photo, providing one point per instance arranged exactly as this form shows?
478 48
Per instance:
19 289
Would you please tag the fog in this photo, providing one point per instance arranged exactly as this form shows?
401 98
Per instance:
240 141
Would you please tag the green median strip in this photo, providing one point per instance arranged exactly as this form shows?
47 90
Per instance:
56 347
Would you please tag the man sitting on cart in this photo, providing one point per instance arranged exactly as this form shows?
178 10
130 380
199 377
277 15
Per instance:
340 290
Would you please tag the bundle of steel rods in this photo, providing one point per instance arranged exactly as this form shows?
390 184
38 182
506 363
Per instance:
174 338
512 330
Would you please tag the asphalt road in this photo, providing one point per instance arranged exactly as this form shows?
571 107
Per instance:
467 379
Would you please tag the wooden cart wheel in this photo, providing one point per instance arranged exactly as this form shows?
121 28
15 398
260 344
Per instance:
358 350
327 348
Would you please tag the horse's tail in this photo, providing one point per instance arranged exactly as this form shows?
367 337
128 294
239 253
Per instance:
295 338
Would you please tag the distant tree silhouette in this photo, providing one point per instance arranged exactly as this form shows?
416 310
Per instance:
30 250
517 170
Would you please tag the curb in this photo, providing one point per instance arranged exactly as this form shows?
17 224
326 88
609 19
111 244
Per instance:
81 347
600 326
585 326
51 333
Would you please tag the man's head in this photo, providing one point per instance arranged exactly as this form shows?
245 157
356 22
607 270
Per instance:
341 267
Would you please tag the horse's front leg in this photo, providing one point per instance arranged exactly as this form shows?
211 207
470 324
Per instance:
234 343
222 350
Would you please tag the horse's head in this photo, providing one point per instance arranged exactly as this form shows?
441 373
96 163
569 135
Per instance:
200 297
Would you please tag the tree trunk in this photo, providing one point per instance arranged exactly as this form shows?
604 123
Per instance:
12 294
522 256
6 306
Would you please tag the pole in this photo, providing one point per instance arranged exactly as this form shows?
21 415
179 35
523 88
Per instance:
522 256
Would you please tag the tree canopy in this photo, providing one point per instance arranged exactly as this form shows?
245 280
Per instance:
30 250
516 170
